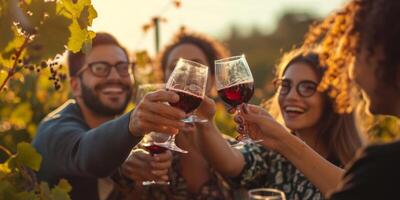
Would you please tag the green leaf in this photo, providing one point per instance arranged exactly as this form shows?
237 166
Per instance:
79 37
4 170
87 15
60 192
51 37
92 15
64 185
72 9
28 156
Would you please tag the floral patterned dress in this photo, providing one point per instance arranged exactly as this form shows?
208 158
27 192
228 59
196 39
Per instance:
266 168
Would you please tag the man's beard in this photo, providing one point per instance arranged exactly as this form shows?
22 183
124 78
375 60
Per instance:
92 101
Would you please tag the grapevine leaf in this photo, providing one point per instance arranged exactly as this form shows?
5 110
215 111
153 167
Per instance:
73 9
60 192
79 37
87 16
28 156
92 14
50 39
4 170
64 185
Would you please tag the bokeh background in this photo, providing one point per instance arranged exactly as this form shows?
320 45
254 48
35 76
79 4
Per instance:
261 29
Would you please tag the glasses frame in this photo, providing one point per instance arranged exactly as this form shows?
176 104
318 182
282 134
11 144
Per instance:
278 86
110 66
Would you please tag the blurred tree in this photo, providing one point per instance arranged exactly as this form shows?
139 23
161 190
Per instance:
264 50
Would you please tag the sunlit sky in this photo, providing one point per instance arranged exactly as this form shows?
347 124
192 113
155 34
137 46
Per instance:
125 18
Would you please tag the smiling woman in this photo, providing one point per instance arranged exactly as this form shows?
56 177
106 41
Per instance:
319 141
310 114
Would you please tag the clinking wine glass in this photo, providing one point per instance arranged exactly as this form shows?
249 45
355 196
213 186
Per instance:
150 140
235 86
170 142
152 146
188 80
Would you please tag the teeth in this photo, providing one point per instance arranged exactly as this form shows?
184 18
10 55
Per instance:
112 89
294 109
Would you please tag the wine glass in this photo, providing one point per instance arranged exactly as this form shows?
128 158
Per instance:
266 194
235 86
170 142
151 144
188 80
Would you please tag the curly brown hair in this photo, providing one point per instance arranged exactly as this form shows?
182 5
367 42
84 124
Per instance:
212 48
360 24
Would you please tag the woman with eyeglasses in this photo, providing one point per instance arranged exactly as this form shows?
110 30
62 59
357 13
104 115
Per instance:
303 158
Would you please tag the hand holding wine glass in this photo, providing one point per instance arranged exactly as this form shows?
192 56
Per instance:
160 169
188 80
235 85
143 90
261 126
151 114
148 167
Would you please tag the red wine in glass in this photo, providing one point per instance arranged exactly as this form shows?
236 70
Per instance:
187 102
154 149
235 86
237 94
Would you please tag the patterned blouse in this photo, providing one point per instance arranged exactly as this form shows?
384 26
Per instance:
266 168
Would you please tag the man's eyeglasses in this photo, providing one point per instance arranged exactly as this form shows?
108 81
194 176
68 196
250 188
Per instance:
103 69
304 88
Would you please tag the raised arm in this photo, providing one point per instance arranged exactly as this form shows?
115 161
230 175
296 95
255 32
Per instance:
68 146
225 159
323 174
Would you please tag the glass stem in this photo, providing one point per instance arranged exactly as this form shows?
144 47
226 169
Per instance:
171 139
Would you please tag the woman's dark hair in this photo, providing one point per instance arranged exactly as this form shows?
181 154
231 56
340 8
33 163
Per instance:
338 133
77 60
212 48
361 24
